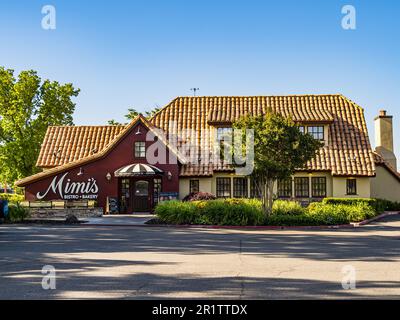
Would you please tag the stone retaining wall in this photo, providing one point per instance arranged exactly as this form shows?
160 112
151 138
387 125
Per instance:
62 213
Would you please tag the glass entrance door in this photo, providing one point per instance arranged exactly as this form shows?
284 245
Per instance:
141 196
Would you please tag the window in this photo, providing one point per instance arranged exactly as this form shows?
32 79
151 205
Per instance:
141 188
157 190
302 129
140 149
301 187
240 187
318 187
194 186
255 192
285 188
351 187
124 195
223 187
317 132
157 185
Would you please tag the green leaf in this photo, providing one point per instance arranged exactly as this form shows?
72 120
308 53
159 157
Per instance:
28 106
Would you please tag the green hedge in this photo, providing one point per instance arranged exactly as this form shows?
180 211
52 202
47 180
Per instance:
340 213
350 201
386 205
291 220
320 213
11 197
379 205
177 212
234 212
241 212
284 207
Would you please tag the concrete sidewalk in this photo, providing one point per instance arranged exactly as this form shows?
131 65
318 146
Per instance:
129 219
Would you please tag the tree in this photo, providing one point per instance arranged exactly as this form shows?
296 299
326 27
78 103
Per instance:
279 149
132 114
112 122
28 106
151 113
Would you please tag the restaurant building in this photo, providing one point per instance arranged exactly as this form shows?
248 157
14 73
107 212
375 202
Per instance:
130 168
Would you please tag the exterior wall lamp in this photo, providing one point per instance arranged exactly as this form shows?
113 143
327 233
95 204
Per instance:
169 175
108 176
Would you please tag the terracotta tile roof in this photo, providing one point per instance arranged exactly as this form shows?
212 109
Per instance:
65 144
380 161
98 155
299 108
348 152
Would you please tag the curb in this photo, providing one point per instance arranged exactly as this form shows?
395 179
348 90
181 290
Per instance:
187 226
383 215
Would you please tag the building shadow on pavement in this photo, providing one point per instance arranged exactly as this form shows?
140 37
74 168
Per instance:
92 260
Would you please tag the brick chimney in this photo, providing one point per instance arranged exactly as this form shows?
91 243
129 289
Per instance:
384 137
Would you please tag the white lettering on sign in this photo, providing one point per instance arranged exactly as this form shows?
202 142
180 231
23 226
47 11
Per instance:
70 190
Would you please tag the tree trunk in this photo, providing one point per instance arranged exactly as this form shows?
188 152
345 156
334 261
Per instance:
270 195
267 195
265 198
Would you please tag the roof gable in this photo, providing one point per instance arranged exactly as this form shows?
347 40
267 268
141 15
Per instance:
65 144
380 161
102 153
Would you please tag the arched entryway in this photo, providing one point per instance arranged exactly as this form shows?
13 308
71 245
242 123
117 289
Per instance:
139 187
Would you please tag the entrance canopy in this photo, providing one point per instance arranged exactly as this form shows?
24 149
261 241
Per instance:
138 169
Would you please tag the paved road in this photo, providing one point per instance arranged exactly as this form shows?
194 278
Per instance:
150 262
126 219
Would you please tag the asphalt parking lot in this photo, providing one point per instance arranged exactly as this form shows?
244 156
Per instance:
136 262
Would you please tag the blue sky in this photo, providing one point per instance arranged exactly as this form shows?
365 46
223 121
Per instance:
142 54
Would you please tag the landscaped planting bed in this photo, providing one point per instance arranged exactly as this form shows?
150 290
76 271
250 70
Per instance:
248 212
235 212
320 213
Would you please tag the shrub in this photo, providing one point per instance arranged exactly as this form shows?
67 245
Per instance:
199 196
177 212
239 212
235 212
17 213
12 197
340 213
320 213
386 205
379 205
350 201
284 207
290 220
